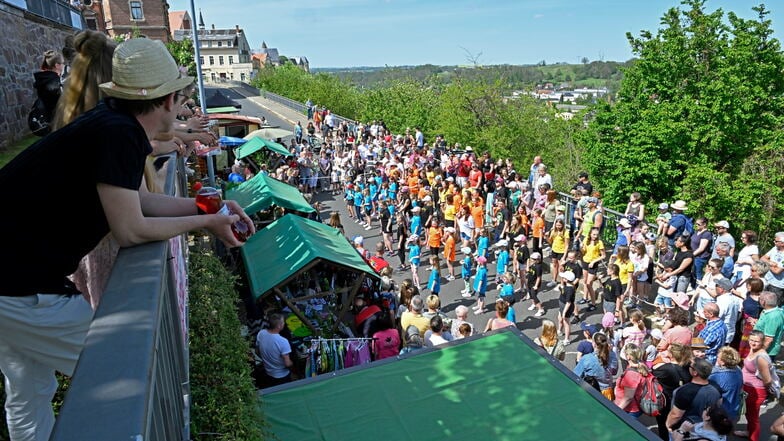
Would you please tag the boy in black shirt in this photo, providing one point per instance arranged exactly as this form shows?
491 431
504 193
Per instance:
566 303
611 293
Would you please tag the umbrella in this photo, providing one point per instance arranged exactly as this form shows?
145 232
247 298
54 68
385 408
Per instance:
231 141
269 133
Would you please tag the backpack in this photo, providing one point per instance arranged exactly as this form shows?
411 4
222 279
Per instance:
650 395
38 119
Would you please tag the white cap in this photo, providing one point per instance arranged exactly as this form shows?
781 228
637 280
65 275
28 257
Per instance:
567 275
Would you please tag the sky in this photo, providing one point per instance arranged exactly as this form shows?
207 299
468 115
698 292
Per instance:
345 33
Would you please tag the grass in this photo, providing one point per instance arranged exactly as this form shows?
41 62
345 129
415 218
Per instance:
10 153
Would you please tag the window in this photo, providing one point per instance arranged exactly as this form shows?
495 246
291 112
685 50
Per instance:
220 43
136 11
220 60
231 59
212 60
212 76
242 76
91 23
201 60
209 43
231 75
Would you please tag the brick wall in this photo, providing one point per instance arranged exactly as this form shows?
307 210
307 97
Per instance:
155 24
25 39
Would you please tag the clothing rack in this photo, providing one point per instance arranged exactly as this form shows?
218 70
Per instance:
342 339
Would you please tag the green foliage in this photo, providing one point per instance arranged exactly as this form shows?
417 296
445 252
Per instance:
183 53
697 118
290 81
224 398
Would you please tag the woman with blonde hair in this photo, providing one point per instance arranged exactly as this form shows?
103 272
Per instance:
91 67
635 333
549 341
499 321
729 378
631 379
334 222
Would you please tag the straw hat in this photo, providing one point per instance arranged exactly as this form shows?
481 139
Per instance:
679 205
143 69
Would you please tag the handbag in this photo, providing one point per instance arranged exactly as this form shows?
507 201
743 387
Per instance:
38 119
774 388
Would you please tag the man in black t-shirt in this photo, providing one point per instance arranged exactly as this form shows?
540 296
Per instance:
91 172
689 400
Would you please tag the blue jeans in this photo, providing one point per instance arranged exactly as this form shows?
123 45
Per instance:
699 270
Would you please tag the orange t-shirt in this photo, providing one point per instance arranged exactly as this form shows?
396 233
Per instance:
434 235
413 184
449 248
478 213
458 200
538 227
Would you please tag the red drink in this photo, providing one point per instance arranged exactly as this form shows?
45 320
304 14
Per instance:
209 200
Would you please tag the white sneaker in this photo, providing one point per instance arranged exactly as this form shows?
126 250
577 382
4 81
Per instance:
566 341
479 311
539 313
467 295
368 227
532 307
475 307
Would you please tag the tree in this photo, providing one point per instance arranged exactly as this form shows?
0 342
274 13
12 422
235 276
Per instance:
698 118
183 54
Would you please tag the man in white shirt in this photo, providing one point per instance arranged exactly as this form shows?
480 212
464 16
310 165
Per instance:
274 351
729 307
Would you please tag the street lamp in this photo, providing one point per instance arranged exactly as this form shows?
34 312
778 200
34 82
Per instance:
200 84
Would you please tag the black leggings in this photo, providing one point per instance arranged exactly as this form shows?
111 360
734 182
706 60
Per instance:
534 295
401 254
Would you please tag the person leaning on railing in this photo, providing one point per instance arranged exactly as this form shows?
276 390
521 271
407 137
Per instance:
95 179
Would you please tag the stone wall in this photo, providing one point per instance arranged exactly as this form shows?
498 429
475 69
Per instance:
25 38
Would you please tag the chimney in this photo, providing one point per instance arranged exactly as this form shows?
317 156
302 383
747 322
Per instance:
201 20
213 26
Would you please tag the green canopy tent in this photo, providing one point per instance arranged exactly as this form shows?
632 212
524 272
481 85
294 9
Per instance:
498 386
255 144
293 245
261 192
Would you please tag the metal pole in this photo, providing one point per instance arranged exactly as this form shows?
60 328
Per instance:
200 84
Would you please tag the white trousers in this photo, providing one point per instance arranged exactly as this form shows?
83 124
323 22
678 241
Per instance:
39 334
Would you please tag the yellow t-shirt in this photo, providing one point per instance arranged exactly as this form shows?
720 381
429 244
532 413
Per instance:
626 269
449 214
559 241
593 251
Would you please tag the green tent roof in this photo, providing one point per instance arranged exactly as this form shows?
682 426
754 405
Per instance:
288 244
261 192
256 144
493 387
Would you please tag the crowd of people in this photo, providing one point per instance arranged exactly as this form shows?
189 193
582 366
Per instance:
680 301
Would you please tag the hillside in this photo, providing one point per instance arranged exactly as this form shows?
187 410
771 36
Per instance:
512 77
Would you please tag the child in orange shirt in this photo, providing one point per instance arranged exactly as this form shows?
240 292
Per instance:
434 237
537 230
450 251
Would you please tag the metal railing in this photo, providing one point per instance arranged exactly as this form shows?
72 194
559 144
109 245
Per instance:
57 11
131 381
297 105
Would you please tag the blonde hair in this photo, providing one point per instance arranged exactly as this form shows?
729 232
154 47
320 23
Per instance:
433 302
633 355
549 335
729 356
637 317
91 67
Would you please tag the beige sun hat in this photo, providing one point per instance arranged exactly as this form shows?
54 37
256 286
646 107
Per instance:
143 69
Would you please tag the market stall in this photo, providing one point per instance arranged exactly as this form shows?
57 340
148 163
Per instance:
308 268
263 193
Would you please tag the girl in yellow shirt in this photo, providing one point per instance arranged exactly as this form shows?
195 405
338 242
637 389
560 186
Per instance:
593 254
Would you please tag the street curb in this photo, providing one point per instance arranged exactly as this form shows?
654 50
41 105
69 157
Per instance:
278 114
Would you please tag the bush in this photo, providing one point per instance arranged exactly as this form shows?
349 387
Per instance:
224 400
